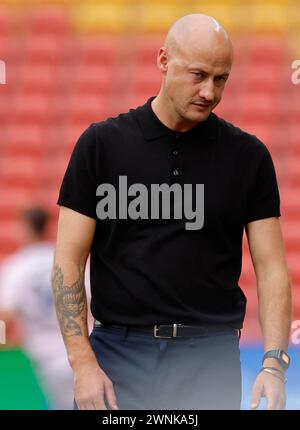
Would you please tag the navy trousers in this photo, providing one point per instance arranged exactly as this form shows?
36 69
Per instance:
148 373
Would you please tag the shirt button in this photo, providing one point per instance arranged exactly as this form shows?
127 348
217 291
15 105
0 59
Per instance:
175 152
177 135
175 172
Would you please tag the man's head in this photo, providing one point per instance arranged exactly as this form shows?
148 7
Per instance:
35 223
195 62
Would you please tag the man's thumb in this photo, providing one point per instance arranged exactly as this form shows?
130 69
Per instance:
256 396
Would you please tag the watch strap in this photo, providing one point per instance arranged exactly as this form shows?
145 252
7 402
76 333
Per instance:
280 355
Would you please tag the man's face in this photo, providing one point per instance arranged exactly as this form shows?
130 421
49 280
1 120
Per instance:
194 81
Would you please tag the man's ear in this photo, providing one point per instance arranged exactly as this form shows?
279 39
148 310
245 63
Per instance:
162 60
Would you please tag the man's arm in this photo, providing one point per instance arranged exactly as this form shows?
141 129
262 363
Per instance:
74 238
274 298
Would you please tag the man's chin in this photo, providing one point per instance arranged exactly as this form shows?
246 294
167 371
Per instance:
200 116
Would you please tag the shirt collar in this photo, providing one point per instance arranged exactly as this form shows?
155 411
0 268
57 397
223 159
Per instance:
152 128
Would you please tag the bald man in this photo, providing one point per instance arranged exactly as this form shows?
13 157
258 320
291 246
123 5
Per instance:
160 197
195 48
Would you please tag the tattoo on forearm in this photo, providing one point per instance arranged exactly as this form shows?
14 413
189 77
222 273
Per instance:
70 302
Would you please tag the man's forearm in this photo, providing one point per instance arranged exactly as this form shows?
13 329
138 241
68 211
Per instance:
71 308
274 295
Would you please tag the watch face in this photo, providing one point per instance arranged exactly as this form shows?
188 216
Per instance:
285 358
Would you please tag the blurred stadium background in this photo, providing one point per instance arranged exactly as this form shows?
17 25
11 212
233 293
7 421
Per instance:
73 62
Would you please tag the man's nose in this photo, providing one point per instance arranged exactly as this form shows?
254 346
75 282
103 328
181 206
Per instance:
207 90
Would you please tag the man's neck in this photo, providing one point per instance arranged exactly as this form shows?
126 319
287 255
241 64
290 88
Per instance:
164 111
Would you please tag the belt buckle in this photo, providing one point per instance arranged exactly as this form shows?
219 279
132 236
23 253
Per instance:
174 331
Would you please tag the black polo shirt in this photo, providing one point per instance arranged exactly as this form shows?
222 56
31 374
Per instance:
147 271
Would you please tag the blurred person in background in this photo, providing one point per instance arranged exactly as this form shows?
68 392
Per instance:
27 307
167 305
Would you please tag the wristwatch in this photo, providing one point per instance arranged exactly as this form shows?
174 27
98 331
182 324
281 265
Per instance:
281 356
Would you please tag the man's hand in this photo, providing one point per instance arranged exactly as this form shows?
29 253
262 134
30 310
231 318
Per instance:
271 387
92 387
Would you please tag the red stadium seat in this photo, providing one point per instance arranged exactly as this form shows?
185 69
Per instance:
290 203
259 107
293 259
46 49
48 19
15 199
294 173
267 49
251 295
21 171
54 168
10 235
33 108
266 78
87 107
147 78
147 49
96 50
25 140
296 303
291 233
294 135
5 21
5 106
38 77
93 78
10 48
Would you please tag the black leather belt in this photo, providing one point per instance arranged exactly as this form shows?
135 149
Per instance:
174 330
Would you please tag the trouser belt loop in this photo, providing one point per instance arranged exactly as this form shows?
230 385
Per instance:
125 329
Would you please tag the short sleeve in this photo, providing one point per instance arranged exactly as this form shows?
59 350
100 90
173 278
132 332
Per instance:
263 200
78 188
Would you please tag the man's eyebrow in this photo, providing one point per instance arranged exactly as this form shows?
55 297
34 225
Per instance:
198 69
201 70
224 75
